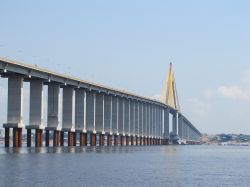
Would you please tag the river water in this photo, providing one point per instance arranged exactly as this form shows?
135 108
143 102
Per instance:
126 166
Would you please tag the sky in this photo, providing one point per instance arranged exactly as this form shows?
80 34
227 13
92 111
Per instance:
129 45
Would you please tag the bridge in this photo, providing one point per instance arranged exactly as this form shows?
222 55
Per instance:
91 113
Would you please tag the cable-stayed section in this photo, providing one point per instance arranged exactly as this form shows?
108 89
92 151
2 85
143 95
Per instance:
169 94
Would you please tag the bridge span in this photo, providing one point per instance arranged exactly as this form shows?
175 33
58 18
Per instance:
102 115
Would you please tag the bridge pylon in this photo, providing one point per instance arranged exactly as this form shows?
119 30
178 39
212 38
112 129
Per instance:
169 94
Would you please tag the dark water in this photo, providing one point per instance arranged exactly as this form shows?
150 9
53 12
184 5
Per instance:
126 166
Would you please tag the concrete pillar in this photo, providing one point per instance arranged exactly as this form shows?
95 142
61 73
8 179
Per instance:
62 138
36 105
99 112
80 107
93 139
180 128
15 110
109 140
53 106
7 137
175 123
166 125
67 116
101 140
15 102
47 138
28 137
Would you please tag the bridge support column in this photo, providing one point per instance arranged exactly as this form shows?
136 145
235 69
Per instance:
7 137
15 109
101 140
109 143
175 123
93 139
36 112
47 138
62 138
53 111
67 116
83 139
56 138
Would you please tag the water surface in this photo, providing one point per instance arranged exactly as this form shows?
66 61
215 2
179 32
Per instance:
126 166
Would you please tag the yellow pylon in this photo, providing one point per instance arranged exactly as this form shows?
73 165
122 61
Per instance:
169 94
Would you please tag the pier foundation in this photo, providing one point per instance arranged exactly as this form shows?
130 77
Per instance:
141 142
136 140
47 138
61 138
116 139
109 143
38 137
17 137
74 138
132 140
101 140
28 137
70 138
7 137
83 139
93 139
56 138
122 140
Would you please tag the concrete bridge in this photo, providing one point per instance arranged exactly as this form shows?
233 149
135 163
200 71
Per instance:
102 115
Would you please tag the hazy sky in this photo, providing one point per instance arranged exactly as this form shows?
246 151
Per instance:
129 44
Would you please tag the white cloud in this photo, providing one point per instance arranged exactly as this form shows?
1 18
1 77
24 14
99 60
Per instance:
234 92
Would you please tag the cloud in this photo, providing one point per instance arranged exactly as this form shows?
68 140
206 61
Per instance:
234 92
